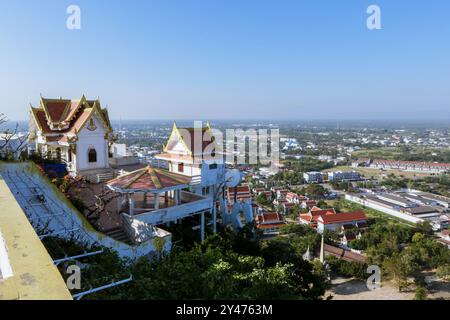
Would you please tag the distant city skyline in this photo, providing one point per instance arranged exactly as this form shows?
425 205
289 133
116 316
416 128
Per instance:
271 60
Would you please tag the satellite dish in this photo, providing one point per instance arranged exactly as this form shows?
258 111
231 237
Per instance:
232 178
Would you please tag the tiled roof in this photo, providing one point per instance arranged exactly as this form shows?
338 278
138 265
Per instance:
148 179
66 116
55 109
271 225
320 212
270 220
270 216
289 204
305 216
243 193
342 217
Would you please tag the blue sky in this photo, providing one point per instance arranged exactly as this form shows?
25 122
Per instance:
212 59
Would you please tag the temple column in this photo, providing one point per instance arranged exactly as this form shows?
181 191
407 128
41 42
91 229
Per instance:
131 204
202 226
156 201
145 200
214 214
177 197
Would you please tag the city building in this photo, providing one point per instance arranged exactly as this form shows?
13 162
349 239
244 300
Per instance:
313 177
413 166
361 162
311 217
410 205
334 222
269 223
308 204
340 176
193 152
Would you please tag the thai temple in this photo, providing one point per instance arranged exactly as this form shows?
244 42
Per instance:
76 131
196 184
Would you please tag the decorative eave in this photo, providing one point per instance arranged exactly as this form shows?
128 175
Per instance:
95 108
33 112
176 132
53 124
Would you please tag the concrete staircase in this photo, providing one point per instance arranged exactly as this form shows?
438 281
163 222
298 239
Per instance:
118 234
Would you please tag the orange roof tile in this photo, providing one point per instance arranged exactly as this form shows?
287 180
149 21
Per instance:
148 179
343 217
67 115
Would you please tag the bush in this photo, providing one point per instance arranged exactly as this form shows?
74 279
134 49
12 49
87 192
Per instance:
79 204
421 293
349 269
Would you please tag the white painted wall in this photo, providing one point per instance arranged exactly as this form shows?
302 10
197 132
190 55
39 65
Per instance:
119 150
391 212
88 139
5 266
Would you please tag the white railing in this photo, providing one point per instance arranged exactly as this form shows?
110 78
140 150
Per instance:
195 204
196 180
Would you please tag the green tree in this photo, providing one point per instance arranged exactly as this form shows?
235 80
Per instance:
262 200
443 272
421 293
315 191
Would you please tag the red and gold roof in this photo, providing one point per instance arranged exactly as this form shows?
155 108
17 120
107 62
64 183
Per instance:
63 116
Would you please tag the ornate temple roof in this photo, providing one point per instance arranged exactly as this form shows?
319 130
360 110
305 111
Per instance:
67 116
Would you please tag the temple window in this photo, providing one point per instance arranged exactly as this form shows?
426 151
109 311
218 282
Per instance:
58 154
92 156
213 166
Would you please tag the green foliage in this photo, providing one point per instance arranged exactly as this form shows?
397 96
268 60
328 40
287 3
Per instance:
398 269
343 185
216 269
443 272
261 199
346 268
421 293
293 174
314 191
294 212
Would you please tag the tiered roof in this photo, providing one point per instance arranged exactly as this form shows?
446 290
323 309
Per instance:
59 118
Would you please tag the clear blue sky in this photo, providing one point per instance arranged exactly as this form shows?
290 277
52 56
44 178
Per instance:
200 59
